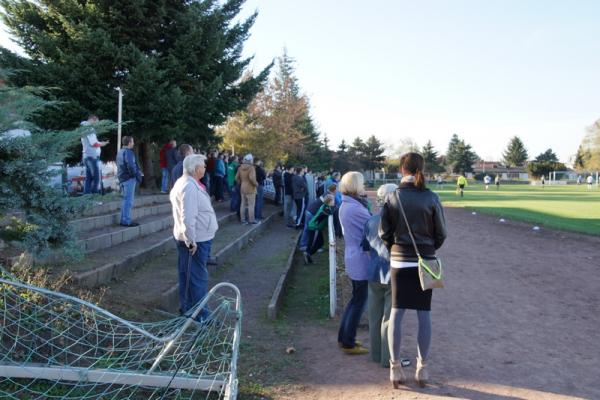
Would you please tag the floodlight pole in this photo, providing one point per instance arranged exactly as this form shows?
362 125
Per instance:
119 117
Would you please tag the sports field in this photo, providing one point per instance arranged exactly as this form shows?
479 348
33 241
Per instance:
571 207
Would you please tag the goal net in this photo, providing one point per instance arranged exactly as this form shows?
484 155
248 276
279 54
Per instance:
55 346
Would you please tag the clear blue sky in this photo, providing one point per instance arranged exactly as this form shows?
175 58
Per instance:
486 70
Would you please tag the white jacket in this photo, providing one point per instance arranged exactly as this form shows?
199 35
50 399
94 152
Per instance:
193 214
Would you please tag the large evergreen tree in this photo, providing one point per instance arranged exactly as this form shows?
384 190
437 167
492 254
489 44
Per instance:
373 154
515 154
178 62
430 156
460 157
548 155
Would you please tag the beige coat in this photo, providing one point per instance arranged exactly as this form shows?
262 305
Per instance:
246 177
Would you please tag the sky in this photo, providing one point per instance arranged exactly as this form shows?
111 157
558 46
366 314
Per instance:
424 70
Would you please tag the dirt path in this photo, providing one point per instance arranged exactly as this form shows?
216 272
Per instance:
518 319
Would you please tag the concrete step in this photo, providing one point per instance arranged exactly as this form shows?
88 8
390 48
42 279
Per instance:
101 221
156 278
114 235
101 267
111 207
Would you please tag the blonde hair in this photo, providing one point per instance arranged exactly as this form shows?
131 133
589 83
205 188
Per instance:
384 191
352 183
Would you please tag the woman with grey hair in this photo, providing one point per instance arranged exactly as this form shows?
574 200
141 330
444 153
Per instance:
379 300
195 225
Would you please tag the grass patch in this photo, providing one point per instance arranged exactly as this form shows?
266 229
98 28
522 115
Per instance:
572 208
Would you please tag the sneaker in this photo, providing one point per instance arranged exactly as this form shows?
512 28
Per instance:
163 192
244 222
356 350
356 343
303 248
254 222
320 250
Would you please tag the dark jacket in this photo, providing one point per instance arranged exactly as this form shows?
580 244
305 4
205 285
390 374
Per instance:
299 187
261 175
177 171
127 167
277 179
287 183
172 157
425 216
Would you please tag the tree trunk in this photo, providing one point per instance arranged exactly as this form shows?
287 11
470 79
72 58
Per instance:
147 167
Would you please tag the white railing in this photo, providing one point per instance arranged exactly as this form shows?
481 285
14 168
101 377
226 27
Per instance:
332 268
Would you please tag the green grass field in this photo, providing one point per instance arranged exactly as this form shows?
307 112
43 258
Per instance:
571 207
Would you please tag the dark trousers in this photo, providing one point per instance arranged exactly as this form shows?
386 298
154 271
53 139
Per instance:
278 195
352 313
193 275
299 211
218 187
314 241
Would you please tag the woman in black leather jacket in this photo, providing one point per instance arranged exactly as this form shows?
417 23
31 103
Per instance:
426 219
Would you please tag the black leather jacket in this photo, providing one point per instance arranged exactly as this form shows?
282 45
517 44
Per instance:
425 216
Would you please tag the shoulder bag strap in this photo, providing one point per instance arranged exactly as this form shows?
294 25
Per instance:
407 224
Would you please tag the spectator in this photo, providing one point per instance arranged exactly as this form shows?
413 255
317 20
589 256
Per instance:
261 175
353 216
278 183
166 174
299 190
315 228
225 180
379 301
210 171
219 175
288 196
128 173
91 156
311 211
195 225
184 151
246 177
335 180
232 166
425 216
311 186
172 158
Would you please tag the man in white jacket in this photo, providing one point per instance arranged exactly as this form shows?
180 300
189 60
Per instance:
195 225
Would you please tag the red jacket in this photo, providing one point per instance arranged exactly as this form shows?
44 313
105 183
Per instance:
163 155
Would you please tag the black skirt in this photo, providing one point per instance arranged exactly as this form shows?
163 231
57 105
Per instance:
407 292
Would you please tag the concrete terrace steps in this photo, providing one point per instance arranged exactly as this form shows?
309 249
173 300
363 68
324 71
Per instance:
101 267
99 221
111 207
110 236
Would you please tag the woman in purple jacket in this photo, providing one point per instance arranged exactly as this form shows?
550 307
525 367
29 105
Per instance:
354 213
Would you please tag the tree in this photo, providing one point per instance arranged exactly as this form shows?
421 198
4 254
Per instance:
430 156
460 157
581 159
373 154
28 156
543 168
515 154
590 148
548 155
179 63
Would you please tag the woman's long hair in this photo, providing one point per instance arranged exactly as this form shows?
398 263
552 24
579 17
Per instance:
414 164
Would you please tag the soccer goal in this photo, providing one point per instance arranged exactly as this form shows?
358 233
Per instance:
55 346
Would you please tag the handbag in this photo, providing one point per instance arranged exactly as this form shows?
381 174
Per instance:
430 272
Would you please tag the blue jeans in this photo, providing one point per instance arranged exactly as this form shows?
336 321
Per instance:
164 184
304 238
193 276
352 313
234 205
128 191
92 175
258 205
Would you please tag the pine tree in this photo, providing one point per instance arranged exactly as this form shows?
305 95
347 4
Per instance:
581 159
460 157
343 147
515 154
548 155
178 63
29 165
430 157
373 154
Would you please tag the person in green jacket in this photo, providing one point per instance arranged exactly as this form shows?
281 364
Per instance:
316 226
461 183
232 166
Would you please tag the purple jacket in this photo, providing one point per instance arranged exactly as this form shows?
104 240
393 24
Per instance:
353 216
